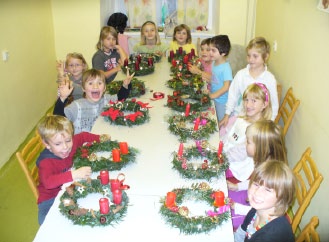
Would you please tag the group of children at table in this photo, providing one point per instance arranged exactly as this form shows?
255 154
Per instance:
260 182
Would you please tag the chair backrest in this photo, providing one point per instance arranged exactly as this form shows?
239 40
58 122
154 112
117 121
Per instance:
308 182
287 110
27 159
309 233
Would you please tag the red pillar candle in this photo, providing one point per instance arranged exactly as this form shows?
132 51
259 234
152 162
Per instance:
185 59
116 155
187 109
125 63
139 58
117 196
172 54
180 149
123 148
192 53
180 50
170 199
115 184
220 148
104 207
136 65
150 61
104 176
219 199
196 124
173 63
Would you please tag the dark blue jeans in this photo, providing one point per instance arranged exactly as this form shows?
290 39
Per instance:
44 209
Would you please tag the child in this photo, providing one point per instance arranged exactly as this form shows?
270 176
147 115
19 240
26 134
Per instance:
206 63
265 141
150 40
258 52
119 22
84 111
109 54
55 161
221 73
271 191
182 38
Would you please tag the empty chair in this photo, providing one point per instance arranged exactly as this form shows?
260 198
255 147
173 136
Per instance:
309 233
27 159
287 110
308 182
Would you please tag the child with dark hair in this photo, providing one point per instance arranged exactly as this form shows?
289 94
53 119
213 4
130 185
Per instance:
119 22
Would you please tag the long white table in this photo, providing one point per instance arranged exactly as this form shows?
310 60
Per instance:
150 178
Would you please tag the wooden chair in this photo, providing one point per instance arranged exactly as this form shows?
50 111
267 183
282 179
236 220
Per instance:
287 110
308 182
27 159
309 233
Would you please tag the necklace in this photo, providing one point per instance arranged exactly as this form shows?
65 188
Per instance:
251 229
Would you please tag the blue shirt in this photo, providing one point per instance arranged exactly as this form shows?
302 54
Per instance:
220 73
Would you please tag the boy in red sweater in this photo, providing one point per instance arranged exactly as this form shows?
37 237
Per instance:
55 161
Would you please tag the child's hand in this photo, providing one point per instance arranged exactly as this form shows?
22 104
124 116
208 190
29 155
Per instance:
224 121
81 173
60 68
127 81
231 186
65 89
194 70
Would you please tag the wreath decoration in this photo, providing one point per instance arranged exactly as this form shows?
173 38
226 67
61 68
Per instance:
186 82
212 166
144 68
138 87
86 156
70 208
126 113
198 101
145 57
178 216
183 126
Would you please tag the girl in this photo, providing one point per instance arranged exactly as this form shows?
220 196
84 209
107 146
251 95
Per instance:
265 141
84 111
150 40
182 38
258 52
109 54
271 191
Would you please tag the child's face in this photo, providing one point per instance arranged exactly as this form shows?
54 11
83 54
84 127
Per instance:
60 144
181 37
255 59
149 31
205 53
94 89
250 147
214 54
262 198
75 67
253 107
109 43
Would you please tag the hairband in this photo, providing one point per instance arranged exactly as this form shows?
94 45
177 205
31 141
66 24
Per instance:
263 87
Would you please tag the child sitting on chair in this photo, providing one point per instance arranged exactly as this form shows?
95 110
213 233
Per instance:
55 161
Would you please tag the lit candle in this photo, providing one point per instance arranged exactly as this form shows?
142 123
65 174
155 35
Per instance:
187 109
180 50
117 197
180 150
104 176
136 65
170 199
125 63
172 54
123 148
220 148
104 207
116 155
196 124
219 199
115 184
150 61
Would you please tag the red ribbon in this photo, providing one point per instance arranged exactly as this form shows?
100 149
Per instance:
157 96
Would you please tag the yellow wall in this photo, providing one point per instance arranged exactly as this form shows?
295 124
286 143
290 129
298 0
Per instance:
301 61
27 79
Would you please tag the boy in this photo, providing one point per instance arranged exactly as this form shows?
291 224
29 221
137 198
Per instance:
55 161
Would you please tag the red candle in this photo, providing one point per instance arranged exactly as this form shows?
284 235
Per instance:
123 148
219 198
196 124
139 58
136 65
220 148
192 52
173 63
115 184
185 59
180 149
116 155
170 199
104 207
187 110
117 197
125 63
104 176
172 54
180 50
150 61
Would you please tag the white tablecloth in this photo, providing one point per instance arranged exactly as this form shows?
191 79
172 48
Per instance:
150 178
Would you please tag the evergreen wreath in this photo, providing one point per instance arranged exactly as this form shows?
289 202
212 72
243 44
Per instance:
198 101
178 216
126 113
138 87
186 82
70 208
144 69
145 57
212 166
86 156
183 126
